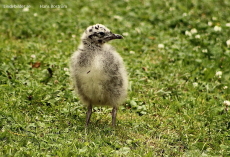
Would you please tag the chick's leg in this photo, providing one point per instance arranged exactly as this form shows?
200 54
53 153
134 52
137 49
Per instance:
88 114
114 115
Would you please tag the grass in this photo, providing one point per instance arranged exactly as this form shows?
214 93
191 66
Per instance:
178 63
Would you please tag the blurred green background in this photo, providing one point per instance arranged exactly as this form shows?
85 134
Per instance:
177 54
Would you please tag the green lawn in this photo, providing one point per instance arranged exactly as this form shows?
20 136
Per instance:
178 59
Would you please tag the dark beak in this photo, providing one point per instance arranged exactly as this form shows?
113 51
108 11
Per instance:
114 36
117 36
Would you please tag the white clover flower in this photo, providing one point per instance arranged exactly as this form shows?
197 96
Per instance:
197 36
214 18
196 48
35 14
225 87
195 84
73 36
138 30
193 31
204 50
66 69
125 34
210 23
171 8
59 41
131 52
33 56
227 103
184 14
161 46
54 25
217 28
219 74
188 33
228 42
26 9
118 17
227 24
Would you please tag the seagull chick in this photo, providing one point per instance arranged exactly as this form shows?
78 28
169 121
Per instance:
98 72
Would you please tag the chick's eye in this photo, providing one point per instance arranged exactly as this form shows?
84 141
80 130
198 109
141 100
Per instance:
102 33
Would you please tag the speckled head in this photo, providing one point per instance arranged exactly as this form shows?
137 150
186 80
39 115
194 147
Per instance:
99 34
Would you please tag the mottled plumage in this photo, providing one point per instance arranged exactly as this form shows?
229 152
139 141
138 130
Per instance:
98 72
